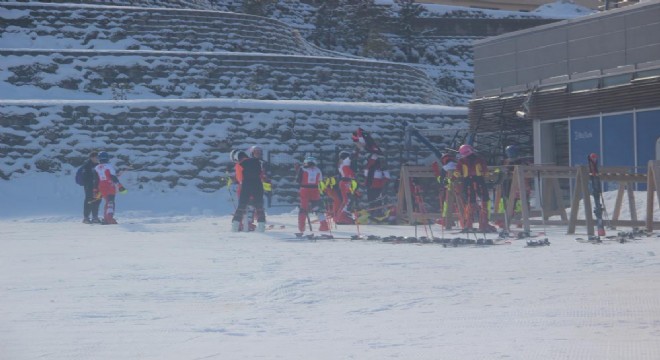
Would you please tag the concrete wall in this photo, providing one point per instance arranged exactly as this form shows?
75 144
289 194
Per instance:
603 41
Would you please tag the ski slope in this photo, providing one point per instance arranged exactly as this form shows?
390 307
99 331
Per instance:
168 285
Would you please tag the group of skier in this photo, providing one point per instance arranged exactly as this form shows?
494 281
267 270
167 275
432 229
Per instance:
100 182
466 175
460 173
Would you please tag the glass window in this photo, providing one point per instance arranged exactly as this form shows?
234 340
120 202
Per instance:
584 85
615 80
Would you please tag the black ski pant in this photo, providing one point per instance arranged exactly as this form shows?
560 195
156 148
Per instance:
374 194
250 195
91 205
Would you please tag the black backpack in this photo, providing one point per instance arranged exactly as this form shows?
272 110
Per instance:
80 176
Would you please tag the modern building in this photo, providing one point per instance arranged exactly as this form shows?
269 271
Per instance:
590 84
512 5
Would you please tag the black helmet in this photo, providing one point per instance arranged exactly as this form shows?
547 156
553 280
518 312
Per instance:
103 157
511 151
344 154
240 154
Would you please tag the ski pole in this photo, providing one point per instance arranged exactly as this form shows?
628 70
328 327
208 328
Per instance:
540 190
231 194
309 222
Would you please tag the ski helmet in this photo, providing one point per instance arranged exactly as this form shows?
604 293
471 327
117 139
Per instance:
309 160
465 150
344 154
254 150
511 151
232 155
103 157
240 154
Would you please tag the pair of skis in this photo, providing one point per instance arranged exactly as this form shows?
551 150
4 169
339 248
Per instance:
596 192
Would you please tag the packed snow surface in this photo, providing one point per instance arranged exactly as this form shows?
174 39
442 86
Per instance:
172 282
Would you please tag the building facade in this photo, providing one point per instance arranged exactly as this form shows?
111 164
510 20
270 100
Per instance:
586 85
529 5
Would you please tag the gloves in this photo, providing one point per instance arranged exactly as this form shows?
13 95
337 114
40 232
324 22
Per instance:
122 189
97 194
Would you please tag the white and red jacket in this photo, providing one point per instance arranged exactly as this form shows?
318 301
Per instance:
310 177
345 169
107 179
379 179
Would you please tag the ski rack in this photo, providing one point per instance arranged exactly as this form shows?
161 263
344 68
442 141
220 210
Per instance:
404 207
625 181
551 193
405 202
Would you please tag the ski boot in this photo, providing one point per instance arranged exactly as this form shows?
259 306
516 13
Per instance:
261 227
235 226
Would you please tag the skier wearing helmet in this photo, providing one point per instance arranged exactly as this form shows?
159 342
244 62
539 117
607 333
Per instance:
472 170
309 177
444 174
248 175
347 188
108 185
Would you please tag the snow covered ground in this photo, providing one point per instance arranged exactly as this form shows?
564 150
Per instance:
171 282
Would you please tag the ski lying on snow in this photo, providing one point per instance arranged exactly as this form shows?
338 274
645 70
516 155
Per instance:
445 242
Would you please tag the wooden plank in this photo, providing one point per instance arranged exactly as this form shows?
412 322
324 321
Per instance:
584 183
523 200
575 203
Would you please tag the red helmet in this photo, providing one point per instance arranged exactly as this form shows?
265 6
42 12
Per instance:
465 150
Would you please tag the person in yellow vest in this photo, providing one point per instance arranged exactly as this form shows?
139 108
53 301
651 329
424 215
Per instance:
329 187
472 170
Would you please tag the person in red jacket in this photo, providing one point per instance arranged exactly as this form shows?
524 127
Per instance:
108 185
309 177
376 180
248 175
472 170
347 187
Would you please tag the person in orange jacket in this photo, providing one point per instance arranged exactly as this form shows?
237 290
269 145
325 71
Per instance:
248 175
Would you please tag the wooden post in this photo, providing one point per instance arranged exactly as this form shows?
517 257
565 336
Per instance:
652 185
